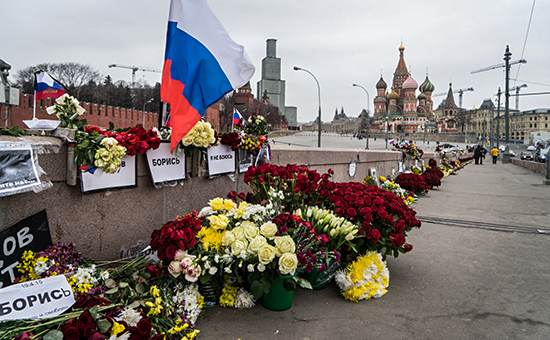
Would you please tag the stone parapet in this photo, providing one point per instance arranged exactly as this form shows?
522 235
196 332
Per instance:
103 224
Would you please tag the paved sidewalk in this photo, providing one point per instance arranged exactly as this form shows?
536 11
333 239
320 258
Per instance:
479 270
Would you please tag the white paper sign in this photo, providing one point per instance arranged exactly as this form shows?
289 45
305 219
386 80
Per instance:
18 172
164 165
221 160
125 176
374 174
38 299
245 160
352 167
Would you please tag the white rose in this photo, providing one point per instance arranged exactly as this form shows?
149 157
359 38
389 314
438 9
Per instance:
261 267
268 229
257 243
250 268
238 246
284 244
227 238
266 254
250 229
213 271
288 263
238 232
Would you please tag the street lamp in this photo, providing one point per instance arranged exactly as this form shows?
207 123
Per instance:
143 111
296 68
368 118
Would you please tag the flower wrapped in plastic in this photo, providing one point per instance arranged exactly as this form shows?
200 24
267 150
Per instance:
365 278
201 136
68 109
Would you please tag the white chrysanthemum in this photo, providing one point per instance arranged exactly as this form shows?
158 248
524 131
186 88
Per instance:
205 212
130 316
40 267
342 280
244 299
104 275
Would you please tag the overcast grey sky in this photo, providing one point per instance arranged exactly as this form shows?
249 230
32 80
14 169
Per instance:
341 42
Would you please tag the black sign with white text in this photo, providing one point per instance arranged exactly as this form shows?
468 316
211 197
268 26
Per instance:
32 233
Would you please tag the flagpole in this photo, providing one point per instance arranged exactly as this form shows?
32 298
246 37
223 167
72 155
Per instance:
34 106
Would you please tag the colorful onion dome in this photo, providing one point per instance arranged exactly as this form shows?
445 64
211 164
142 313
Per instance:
381 84
427 85
393 95
422 96
410 83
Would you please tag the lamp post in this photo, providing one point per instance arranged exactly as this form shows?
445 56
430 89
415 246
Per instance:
296 68
143 111
368 118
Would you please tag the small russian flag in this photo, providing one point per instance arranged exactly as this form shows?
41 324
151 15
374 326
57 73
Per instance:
237 117
47 87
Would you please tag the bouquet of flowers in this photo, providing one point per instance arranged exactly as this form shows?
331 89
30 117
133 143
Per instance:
366 277
412 182
68 109
391 186
176 237
384 218
298 185
409 150
201 136
335 230
232 139
433 177
164 133
98 148
257 125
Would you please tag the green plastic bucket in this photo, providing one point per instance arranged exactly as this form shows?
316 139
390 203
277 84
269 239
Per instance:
278 298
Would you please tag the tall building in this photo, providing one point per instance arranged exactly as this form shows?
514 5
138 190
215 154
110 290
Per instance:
272 86
271 77
407 112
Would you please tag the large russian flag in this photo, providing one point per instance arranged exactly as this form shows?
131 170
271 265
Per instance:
46 87
201 64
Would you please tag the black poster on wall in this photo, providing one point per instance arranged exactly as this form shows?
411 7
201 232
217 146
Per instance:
32 233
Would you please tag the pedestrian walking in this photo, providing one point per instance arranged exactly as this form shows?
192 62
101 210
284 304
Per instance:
482 154
494 153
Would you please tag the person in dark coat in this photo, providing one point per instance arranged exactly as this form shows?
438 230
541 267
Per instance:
477 154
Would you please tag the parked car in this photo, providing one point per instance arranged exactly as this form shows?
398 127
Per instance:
527 155
451 149
540 155
531 148
446 146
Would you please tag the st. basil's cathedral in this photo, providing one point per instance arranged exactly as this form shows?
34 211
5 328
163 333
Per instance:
406 111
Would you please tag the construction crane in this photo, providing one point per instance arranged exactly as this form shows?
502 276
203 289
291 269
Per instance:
134 69
520 61
517 88
460 92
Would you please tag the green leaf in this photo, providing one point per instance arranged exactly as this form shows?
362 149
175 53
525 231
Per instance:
204 278
383 251
111 126
302 282
103 325
54 334
257 289
395 253
123 284
140 288
93 312
112 291
110 283
289 284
